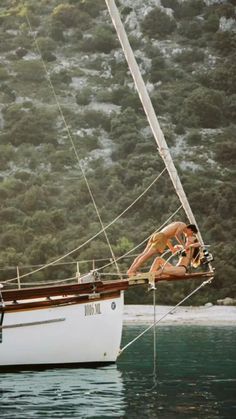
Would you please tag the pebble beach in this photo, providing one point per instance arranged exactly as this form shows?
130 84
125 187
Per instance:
209 314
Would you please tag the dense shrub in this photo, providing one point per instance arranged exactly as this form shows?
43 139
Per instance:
9 214
88 143
171 4
46 47
160 102
125 133
226 10
212 22
56 32
225 42
34 199
62 159
13 239
103 39
191 30
5 43
225 147
92 118
3 73
189 56
158 65
222 77
29 71
7 153
70 16
225 152
189 9
203 107
33 126
84 96
230 108
62 76
157 24
194 137
91 7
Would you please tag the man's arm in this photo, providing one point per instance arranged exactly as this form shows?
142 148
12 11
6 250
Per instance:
192 245
171 247
179 235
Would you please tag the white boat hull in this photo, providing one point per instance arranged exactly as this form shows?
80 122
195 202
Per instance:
82 333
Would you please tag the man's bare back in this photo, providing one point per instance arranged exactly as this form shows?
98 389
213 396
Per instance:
174 229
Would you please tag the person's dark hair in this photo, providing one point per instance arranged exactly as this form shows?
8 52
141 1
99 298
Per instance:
193 228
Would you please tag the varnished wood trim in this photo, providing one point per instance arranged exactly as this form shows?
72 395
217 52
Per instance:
42 304
63 290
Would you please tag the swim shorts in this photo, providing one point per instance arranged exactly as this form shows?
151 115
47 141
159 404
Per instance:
158 241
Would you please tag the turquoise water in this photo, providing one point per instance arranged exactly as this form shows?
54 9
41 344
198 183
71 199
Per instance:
193 376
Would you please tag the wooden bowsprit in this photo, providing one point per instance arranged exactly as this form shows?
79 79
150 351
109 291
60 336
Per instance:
151 278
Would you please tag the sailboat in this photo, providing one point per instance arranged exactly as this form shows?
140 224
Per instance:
80 323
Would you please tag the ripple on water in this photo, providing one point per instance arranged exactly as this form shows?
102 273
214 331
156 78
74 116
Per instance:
194 376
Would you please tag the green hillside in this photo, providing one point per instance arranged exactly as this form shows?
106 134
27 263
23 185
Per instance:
69 110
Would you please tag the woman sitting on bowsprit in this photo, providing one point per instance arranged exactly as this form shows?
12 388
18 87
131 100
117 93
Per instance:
189 256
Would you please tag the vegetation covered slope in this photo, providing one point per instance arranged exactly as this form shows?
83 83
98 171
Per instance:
65 87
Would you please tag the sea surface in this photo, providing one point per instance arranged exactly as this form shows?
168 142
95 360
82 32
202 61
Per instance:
176 372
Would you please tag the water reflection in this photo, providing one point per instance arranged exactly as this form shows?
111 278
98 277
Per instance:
71 393
194 377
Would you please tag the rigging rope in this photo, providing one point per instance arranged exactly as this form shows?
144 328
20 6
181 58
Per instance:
102 267
98 233
2 306
166 314
72 143
154 340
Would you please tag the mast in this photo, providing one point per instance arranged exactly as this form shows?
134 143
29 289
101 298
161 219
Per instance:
149 110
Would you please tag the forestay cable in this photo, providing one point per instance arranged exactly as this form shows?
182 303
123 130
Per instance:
208 281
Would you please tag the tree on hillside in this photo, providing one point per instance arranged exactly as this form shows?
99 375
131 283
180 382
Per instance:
225 42
125 133
30 125
71 16
103 39
157 24
203 108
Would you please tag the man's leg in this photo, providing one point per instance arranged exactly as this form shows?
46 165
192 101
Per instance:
148 252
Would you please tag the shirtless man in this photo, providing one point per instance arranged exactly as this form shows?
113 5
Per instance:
158 242
189 256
